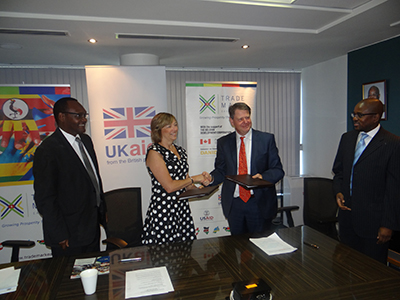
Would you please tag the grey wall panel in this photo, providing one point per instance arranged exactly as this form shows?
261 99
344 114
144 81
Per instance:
74 77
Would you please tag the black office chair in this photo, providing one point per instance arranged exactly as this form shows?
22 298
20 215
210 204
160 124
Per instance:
394 251
124 211
287 210
16 245
320 207
283 210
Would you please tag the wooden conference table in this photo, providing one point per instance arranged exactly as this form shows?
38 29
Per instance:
207 268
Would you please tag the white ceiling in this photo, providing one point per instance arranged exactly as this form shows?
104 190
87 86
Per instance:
288 37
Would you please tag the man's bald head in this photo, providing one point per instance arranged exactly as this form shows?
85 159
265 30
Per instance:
372 105
367 114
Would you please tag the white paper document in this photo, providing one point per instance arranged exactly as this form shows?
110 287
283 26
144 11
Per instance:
85 261
273 245
9 280
147 282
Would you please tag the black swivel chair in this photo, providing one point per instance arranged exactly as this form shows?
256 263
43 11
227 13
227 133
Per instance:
283 210
16 245
320 207
124 212
394 250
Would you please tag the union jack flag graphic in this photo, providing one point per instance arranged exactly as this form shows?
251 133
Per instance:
128 122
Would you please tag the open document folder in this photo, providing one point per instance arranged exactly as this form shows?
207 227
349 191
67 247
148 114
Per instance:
197 193
273 245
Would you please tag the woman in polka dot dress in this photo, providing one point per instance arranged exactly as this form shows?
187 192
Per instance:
168 219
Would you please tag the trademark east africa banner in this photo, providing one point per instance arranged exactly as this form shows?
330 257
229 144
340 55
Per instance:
122 102
207 118
26 118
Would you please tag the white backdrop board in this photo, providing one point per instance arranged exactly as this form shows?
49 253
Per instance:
122 102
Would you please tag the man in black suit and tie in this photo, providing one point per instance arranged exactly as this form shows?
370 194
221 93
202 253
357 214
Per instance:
252 213
367 182
68 188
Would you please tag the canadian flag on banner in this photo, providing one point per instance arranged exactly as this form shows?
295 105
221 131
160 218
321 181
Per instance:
205 141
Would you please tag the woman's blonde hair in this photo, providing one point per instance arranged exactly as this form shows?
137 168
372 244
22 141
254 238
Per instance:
157 123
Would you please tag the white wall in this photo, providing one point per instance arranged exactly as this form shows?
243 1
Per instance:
324 106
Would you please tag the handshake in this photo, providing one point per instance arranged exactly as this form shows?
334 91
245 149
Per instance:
204 178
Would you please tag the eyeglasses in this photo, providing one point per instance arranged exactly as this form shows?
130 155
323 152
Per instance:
77 115
360 115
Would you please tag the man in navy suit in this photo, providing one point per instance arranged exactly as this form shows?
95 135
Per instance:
255 215
71 205
368 193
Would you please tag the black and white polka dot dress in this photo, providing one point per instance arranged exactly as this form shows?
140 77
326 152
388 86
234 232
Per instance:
168 219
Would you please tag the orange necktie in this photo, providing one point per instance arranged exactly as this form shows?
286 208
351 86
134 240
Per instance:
243 193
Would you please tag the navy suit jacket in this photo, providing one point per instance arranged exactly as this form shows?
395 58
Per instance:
375 196
64 193
264 160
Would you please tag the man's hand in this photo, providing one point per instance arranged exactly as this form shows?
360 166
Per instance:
340 202
207 178
258 175
64 244
384 235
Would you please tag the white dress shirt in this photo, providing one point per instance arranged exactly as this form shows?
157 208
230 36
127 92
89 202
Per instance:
74 144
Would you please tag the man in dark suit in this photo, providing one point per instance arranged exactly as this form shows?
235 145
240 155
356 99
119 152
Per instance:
70 201
263 162
368 193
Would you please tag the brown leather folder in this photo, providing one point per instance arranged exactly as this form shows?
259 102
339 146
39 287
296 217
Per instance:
248 182
197 193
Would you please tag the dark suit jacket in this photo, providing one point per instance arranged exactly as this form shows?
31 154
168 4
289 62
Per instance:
264 160
64 193
376 182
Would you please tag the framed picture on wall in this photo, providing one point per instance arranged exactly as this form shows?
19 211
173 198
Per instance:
376 89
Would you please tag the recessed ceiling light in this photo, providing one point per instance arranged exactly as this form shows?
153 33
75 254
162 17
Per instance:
245 46
277 1
92 41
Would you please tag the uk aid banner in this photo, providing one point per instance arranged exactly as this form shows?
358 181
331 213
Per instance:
26 120
207 118
122 101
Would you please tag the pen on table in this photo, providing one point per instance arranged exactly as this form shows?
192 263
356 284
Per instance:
130 259
311 245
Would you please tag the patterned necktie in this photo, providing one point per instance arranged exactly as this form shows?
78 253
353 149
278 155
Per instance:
89 170
243 193
359 150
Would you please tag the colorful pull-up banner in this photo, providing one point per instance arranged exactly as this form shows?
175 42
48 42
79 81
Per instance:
207 118
26 119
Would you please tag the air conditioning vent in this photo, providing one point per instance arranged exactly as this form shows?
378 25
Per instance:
174 37
34 32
